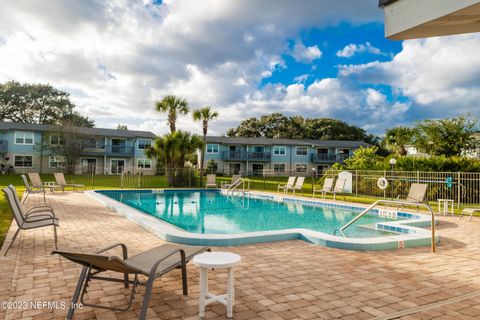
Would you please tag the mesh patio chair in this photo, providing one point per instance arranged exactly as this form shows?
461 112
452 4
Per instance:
37 217
339 188
60 179
153 264
327 187
416 194
31 190
285 186
470 211
211 181
297 186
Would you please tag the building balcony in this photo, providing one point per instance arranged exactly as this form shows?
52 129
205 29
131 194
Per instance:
107 150
246 156
328 158
3 146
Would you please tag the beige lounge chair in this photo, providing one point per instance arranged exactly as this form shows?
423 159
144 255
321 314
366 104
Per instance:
36 182
285 186
416 194
339 188
37 217
153 264
31 190
235 178
211 181
60 179
470 211
297 186
327 187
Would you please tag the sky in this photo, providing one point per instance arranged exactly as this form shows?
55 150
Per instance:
244 58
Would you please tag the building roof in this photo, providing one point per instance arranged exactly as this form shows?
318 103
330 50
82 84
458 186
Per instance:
289 142
80 130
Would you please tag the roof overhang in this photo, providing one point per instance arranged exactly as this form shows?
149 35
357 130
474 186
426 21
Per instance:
412 19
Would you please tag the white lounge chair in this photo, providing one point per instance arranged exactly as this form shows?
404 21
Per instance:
470 211
297 186
327 187
416 194
211 181
235 178
339 188
285 186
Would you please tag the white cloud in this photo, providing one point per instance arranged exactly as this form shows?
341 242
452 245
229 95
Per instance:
304 54
352 49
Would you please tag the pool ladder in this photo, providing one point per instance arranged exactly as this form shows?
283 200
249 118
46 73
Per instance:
238 183
395 202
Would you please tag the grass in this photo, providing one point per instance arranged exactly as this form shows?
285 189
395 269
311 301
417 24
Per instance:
5 219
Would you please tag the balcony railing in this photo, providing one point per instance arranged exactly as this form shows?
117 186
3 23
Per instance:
328 158
108 150
246 156
3 146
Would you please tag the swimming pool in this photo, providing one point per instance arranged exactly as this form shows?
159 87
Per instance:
212 212
211 217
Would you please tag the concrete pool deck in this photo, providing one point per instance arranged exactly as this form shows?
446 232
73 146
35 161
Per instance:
279 280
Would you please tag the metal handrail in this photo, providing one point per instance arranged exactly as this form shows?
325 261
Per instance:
419 204
236 184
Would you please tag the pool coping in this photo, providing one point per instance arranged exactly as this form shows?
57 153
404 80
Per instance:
410 233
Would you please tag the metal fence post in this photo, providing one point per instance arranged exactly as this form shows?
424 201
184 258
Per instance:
459 191
356 183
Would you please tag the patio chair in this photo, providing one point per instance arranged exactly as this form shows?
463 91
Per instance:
32 219
285 186
152 263
60 179
416 194
327 187
211 181
235 178
470 211
37 183
31 190
339 188
297 186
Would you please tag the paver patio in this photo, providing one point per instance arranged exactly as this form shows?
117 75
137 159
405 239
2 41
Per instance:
282 280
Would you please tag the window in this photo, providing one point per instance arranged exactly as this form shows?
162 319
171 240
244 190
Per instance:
279 167
344 151
301 167
144 163
144 144
23 161
56 141
56 161
23 137
279 150
302 151
212 148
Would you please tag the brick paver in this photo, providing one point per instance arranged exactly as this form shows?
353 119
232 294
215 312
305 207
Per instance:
282 280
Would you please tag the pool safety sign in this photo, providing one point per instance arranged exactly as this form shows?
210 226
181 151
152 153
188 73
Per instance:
389 214
401 244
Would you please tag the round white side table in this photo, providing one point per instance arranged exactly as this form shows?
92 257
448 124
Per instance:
216 260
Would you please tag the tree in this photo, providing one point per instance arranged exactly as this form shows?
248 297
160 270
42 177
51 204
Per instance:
204 115
397 139
122 127
173 106
77 120
36 103
276 125
449 137
174 149
365 159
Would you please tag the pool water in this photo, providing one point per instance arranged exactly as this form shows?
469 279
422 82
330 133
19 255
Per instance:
211 212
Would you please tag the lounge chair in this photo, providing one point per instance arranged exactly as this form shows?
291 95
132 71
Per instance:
285 186
37 217
416 194
60 179
37 183
327 187
211 181
31 190
235 178
470 211
153 264
297 186
339 188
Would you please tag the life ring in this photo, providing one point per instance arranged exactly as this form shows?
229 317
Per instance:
382 183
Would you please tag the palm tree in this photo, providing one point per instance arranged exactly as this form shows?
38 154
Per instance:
398 138
173 106
173 150
204 115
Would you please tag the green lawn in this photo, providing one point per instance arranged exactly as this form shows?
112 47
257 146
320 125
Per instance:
5 219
